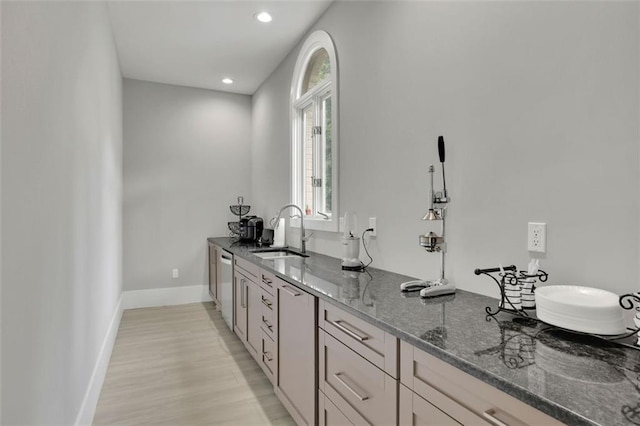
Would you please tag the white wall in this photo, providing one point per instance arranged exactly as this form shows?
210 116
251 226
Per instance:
539 106
187 156
61 204
270 142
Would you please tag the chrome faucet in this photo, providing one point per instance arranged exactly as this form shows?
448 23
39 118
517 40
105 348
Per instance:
303 237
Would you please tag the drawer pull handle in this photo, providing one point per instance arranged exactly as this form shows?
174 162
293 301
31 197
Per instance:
266 302
242 292
291 292
267 357
346 385
338 324
269 326
267 281
492 415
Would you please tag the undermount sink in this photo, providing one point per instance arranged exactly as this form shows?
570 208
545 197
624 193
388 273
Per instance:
280 253
584 309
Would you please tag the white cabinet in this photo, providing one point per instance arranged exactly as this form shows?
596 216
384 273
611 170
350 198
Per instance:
296 343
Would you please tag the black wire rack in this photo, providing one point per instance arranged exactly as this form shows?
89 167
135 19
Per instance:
509 279
629 302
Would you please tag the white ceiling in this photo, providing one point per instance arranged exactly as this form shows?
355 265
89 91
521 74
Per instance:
197 43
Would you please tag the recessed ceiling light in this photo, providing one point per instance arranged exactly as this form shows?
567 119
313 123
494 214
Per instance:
227 80
263 17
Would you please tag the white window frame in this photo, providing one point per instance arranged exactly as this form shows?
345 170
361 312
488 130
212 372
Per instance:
316 40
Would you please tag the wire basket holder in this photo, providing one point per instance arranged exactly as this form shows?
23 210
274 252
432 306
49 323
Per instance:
239 210
628 302
510 281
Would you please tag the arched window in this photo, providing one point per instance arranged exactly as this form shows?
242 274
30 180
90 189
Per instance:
314 118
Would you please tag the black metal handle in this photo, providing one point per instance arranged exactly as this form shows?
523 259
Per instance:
441 148
490 270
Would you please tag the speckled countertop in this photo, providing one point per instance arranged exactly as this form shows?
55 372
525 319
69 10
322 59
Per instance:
574 378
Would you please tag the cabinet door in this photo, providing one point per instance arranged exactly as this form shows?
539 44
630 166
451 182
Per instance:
254 319
240 305
296 373
213 272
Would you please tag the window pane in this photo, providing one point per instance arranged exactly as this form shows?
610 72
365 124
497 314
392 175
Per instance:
307 173
327 127
318 69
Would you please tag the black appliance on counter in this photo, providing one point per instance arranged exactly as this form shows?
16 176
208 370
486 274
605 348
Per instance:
251 228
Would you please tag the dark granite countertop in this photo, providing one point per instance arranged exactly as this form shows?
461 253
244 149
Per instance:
576 379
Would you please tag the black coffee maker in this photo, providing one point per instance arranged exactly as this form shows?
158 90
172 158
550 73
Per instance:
251 228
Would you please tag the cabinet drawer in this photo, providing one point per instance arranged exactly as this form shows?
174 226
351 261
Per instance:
330 415
377 346
415 411
247 267
462 396
354 384
267 308
268 282
268 361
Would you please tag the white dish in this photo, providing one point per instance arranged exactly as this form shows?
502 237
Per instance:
584 309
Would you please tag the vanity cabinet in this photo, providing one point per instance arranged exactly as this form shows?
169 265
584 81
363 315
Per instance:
433 383
357 369
296 351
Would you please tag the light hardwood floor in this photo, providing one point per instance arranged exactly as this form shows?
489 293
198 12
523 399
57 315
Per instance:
181 365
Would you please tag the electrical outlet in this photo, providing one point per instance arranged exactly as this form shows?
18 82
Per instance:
372 224
175 273
537 237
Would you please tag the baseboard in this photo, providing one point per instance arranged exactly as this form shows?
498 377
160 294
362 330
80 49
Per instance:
165 296
90 401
